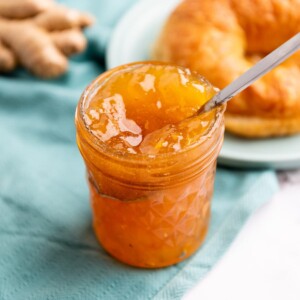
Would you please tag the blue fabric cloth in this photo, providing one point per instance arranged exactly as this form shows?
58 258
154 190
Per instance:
47 247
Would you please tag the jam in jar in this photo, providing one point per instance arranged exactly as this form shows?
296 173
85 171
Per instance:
150 166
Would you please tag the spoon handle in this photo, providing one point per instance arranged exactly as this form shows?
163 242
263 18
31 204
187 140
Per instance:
258 70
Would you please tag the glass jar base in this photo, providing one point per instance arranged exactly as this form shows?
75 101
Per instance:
155 261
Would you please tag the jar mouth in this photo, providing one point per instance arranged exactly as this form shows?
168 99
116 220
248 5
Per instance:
105 149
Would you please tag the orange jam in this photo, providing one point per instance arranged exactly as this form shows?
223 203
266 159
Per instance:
150 167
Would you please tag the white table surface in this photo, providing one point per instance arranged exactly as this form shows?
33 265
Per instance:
263 262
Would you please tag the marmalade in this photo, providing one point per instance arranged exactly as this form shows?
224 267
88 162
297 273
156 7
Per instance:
150 166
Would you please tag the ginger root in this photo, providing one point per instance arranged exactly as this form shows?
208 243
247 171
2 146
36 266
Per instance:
39 35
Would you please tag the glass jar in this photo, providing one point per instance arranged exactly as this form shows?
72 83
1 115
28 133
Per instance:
149 210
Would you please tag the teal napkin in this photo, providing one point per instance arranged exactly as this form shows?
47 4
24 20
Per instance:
47 247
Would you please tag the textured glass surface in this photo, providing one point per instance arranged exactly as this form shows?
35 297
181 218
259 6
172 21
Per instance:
163 228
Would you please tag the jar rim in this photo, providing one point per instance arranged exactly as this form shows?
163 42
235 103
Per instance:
101 146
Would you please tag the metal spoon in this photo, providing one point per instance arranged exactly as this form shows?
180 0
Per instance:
258 70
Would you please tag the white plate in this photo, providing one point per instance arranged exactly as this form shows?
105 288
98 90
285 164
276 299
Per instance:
133 39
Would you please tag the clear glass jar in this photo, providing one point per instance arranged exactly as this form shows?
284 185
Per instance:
149 211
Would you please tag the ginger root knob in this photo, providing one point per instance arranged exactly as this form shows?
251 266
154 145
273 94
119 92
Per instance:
40 36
